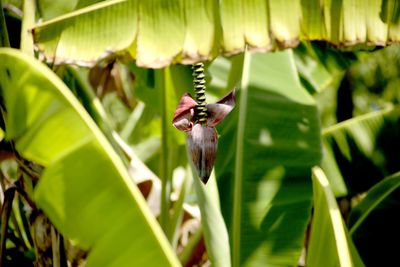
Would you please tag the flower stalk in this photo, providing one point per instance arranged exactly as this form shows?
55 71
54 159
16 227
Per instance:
199 83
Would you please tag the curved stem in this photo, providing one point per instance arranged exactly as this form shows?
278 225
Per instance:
28 22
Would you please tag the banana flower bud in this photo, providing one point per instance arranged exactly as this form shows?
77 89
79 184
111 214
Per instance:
202 138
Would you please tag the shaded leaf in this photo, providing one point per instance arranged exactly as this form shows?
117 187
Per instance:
267 147
361 151
313 74
374 223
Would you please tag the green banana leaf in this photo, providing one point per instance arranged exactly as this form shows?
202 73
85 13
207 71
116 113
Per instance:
329 243
319 66
49 9
266 150
374 223
314 77
157 33
360 152
85 189
215 232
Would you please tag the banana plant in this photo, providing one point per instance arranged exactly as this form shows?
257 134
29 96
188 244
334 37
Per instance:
267 146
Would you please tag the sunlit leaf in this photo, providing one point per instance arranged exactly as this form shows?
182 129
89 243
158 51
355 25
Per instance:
329 243
158 33
85 189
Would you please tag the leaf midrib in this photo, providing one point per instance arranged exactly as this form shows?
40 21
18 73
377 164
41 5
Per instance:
237 200
367 212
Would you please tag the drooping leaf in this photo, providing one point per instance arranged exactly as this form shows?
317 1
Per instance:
374 223
361 151
329 243
158 33
85 189
361 21
79 27
267 147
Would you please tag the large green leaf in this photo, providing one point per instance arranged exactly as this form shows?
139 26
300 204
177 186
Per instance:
117 32
374 223
361 151
266 150
329 243
158 32
85 189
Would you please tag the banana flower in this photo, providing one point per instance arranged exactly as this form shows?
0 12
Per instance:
202 137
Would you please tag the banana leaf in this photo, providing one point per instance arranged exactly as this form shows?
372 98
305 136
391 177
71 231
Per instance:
360 152
157 33
267 147
85 188
329 243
